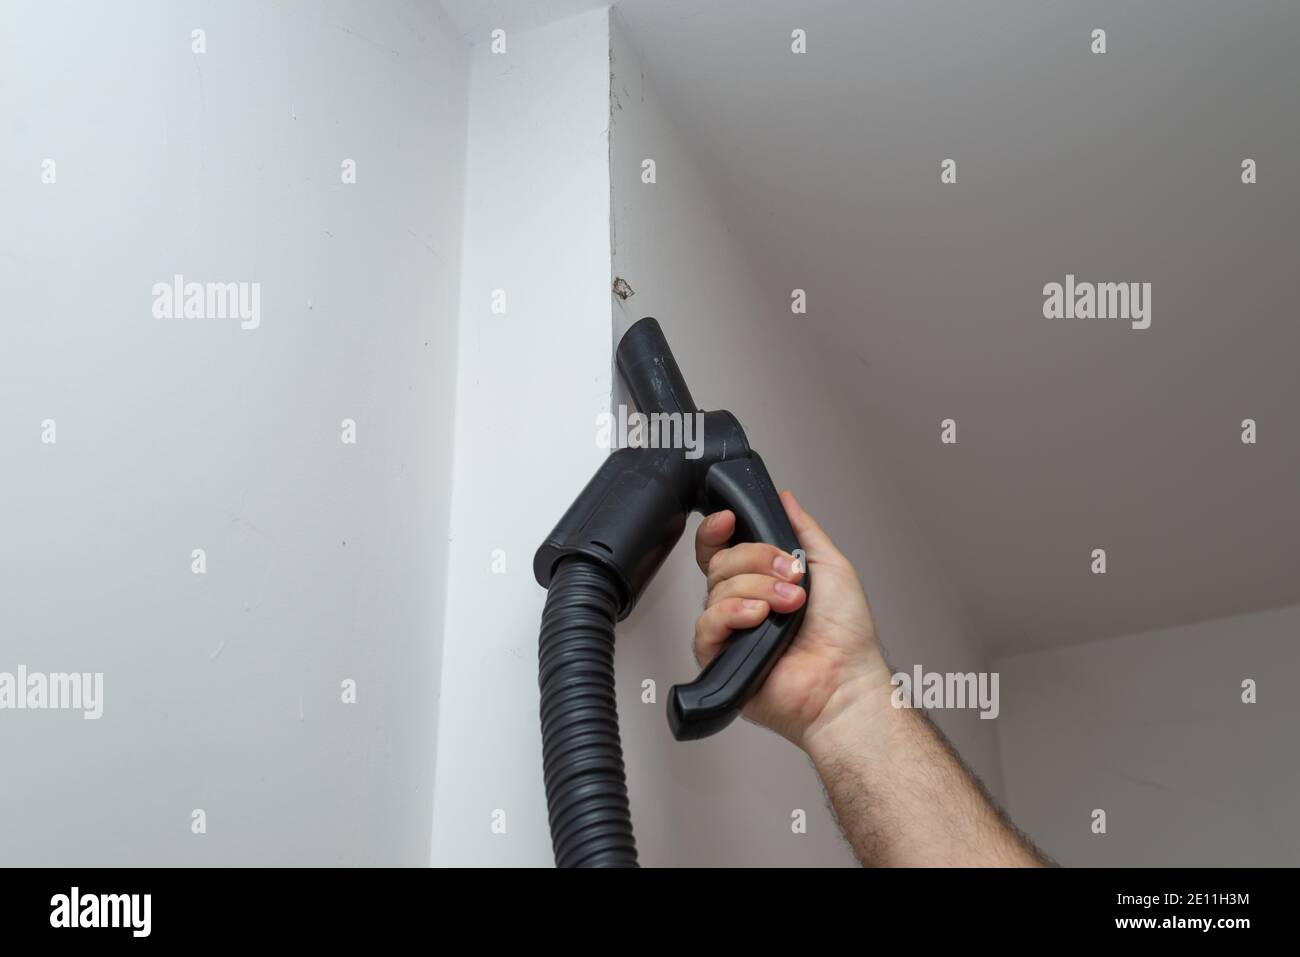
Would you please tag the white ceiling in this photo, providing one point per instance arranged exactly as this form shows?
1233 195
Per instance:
1118 167
476 19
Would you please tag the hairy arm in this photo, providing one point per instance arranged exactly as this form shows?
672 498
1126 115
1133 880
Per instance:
902 795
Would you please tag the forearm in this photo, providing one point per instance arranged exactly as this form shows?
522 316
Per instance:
901 794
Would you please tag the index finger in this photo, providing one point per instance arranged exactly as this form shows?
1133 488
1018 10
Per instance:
712 536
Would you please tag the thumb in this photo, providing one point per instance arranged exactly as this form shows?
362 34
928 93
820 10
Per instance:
811 537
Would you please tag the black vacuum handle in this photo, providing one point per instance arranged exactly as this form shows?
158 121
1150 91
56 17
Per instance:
711 702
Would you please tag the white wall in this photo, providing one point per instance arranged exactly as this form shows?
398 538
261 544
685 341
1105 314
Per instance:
728 800
324 561
1152 729
329 561
530 384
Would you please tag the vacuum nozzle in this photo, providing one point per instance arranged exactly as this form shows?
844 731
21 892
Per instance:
651 372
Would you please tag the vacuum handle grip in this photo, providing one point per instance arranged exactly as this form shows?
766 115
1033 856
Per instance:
711 702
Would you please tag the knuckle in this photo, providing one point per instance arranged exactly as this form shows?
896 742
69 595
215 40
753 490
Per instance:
725 588
707 624
736 607
747 586
717 562
760 555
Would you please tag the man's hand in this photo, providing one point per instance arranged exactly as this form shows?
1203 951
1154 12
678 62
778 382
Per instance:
900 792
833 662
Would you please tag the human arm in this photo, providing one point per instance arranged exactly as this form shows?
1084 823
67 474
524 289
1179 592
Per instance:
900 792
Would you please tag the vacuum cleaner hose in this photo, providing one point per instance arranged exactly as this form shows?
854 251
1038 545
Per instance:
582 756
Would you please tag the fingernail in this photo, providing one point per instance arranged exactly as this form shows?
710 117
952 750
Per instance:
752 604
784 566
786 590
